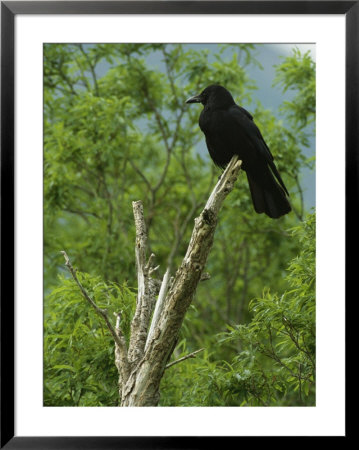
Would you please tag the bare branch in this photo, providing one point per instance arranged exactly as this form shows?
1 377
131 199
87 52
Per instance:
190 355
141 174
205 276
149 262
116 334
224 185
153 269
92 69
159 305
142 388
121 359
145 302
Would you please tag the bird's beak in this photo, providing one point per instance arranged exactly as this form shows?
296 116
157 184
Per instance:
194 99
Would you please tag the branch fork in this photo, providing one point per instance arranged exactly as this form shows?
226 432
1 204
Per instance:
152 342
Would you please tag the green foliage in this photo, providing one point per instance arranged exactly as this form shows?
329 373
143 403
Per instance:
297 72
276 364
78 348
117 129
275 361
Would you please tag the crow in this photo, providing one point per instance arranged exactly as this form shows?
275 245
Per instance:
230 130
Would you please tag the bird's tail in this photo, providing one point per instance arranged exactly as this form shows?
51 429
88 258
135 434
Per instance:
268 196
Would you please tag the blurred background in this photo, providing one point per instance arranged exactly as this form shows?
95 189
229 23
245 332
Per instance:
117 129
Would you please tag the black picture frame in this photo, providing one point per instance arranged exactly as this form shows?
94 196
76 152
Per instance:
9 9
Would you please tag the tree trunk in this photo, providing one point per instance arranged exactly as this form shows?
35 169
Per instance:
142 366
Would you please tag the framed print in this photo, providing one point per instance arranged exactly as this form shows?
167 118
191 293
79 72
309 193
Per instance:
124 128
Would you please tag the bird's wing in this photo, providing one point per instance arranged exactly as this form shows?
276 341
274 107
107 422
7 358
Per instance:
212 154
244 111
245 120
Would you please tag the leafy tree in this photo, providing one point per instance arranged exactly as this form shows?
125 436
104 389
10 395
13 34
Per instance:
297 72
283 330
117 130
78 351
275 361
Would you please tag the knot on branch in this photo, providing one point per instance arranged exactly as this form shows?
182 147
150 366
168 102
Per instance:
209 217
205 276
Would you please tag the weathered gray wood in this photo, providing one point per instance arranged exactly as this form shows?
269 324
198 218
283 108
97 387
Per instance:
142 387
145 301
142 366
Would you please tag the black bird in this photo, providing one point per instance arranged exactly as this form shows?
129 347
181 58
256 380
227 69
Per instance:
229 130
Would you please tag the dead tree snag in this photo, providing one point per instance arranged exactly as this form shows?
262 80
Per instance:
152 342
